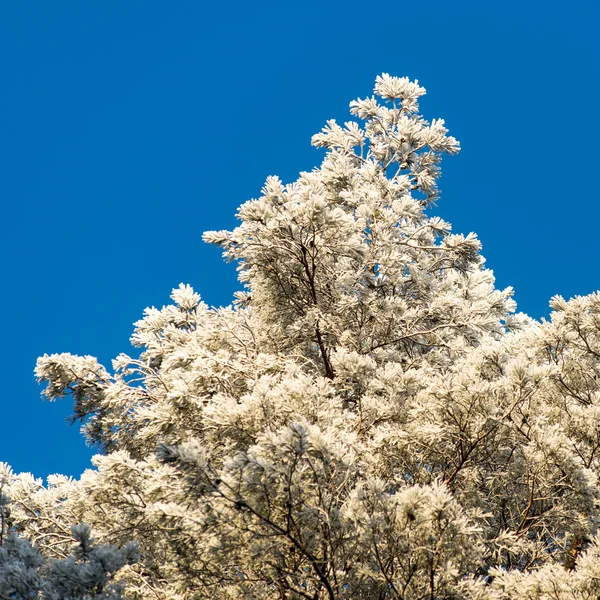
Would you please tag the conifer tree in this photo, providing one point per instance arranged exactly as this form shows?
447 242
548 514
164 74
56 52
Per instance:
368 419
84 571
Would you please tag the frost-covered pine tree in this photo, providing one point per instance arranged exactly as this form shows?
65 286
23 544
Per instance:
83 570
369 418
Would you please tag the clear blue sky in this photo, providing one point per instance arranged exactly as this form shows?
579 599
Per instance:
127 128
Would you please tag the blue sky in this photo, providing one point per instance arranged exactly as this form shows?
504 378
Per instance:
129 128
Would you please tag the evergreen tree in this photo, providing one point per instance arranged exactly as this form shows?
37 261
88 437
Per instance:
368 419
86 572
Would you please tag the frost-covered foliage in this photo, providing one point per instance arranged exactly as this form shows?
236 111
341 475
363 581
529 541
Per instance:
369 419
84 571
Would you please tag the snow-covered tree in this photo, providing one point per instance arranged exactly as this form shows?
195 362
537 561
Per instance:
84 571
368 419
